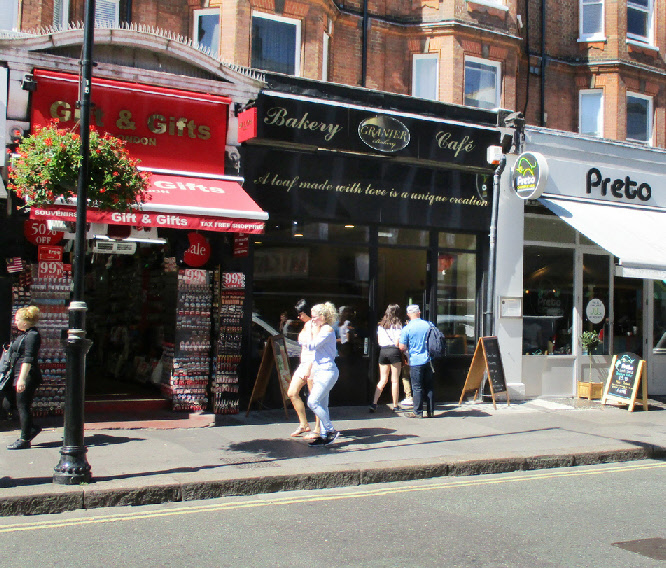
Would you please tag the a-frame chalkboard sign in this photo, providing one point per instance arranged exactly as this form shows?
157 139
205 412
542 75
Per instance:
487 362
624 377
275 352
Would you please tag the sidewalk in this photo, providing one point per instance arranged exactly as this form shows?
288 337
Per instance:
140 463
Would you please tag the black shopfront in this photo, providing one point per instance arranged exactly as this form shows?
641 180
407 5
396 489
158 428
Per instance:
370 202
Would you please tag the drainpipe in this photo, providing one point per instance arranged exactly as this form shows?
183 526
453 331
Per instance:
543 62
364 46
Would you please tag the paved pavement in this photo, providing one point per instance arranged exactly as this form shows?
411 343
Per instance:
135 463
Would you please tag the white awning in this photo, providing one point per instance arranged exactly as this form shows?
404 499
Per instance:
634 234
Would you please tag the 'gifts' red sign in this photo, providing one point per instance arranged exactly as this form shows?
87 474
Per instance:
164 128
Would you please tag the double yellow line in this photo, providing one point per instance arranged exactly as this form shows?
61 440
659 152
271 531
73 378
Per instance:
375 491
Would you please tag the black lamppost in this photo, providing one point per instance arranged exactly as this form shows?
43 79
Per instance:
73 467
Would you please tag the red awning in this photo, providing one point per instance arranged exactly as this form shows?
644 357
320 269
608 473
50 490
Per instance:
179 202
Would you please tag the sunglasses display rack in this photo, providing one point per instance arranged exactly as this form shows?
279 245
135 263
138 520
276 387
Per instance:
229 316
51 296
188 383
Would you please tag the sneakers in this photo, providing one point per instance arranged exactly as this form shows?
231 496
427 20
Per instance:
397 408
20 444
372 408
325 441
413 415
407 402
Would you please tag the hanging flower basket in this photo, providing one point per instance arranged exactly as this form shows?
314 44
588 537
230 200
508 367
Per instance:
46 169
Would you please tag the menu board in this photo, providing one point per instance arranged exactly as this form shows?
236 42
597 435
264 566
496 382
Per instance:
624 378
486 362
275 354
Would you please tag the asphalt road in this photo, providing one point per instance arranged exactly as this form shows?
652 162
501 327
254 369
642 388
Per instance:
598 516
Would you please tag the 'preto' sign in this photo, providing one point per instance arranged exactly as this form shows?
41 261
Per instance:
618 187
529 175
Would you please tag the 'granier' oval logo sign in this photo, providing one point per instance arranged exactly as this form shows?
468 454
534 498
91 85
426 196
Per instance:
384 133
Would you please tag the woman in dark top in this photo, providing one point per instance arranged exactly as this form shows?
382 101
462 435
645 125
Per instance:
27 376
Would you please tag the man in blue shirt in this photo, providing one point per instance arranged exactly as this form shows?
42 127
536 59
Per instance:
413 341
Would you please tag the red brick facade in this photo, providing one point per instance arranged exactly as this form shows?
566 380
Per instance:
508 32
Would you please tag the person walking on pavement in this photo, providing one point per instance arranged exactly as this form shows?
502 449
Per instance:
302 373
390 356
27 376
413 341
324 370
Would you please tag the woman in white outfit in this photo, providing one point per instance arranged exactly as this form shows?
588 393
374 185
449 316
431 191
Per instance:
390 356
324 370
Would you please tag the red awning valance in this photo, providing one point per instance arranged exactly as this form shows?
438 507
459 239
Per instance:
179 202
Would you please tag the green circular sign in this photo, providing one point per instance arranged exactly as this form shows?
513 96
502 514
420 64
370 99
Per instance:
529 175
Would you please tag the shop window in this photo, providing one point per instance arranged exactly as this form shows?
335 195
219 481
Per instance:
9 15
482 83
660 316
207 29
548 228
591 112
628 316
456 301
457 241
107 13
639 20
60 14
395 236
639 118
425 76
596 299
276 43
311 231
547 300
591 24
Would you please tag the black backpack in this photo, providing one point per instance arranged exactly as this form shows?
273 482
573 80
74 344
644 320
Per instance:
436 342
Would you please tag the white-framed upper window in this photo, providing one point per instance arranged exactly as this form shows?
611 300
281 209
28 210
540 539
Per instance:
207 29
483 83
591 24
60 14
276 43
639 118
425 76
639 20
9 15
107 13
591 112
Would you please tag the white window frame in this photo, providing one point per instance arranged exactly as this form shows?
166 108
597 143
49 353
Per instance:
11 9
598 35
195 27
650 119
425 56
61 14
115 22
649 37
498 77
600 119
325 46
285 20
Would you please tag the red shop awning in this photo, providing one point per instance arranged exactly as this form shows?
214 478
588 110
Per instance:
179 202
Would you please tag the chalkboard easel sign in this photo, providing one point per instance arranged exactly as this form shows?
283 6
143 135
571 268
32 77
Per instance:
624 377
486 362
275 352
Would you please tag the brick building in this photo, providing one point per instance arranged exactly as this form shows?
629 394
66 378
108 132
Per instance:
594 67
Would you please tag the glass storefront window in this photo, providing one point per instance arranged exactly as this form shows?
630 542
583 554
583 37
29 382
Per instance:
547 228
660 315
628 316
457 241
596 304
547 300
456 301
393 236
317 231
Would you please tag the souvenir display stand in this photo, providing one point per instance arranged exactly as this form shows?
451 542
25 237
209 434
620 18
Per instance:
229 288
